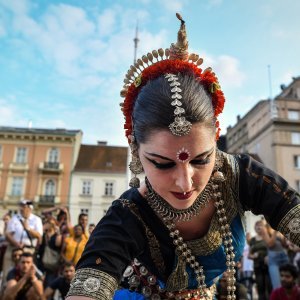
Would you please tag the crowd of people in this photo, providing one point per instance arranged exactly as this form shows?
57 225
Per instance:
39 253
269 268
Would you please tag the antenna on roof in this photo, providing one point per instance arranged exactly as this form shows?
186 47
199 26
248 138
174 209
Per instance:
136 40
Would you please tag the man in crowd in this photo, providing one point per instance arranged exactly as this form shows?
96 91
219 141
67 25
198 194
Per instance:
62 283
83 222
91 228
73 246
24 230
222 292
23 282
289 289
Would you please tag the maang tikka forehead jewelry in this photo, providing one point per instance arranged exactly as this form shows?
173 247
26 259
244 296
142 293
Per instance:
180 126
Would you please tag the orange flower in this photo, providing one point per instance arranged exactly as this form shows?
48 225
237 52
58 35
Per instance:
208 79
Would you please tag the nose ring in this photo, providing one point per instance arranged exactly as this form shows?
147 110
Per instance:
184 193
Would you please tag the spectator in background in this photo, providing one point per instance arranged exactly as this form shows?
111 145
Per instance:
61 214
247 267
16 256
91 228
258 252
62 283
277 254
3 242
222 292
73 246
52 239
23 282
83 222
289 289
24 231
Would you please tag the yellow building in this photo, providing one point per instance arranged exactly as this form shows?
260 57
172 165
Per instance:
36 164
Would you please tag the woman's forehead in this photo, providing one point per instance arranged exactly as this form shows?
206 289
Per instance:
200 139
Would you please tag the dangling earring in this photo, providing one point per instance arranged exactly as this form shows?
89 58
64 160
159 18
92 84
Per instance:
135 165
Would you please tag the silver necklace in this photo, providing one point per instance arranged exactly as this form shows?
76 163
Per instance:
170 216
165 210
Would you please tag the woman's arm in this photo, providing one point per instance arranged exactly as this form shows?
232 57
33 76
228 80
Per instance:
117 239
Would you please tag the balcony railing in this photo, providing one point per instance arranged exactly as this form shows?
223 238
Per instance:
47 200
53 167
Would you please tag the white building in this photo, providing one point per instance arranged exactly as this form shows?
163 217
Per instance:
99 177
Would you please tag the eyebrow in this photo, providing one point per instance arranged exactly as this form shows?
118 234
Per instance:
166 158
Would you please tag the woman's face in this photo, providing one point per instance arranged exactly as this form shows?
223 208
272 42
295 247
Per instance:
179 167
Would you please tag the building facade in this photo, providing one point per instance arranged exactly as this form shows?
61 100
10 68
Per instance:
99 177
271 129
36 164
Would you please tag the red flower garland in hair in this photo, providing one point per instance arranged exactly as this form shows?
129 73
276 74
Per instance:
207 78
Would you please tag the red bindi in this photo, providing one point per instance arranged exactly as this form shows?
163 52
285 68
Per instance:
183 154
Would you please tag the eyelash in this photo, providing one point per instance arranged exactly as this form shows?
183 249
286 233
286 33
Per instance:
199 162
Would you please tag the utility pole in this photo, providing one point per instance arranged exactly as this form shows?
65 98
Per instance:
135 40
129 156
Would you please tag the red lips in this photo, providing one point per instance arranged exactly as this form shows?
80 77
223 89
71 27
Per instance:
183 196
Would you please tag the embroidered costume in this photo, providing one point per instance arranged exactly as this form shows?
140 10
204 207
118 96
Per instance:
131 251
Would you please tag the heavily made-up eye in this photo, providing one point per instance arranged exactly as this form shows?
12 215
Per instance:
202 161
162 166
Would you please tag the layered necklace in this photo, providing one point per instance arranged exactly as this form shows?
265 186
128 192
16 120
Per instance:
170 216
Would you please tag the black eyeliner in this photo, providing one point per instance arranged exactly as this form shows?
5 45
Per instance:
161 166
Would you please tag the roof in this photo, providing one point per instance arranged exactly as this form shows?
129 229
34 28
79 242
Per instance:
39 131
102 158
290 91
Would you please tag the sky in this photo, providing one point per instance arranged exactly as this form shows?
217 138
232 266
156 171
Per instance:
62 62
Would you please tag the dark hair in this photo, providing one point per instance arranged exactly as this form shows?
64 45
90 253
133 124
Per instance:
27 254
82 215
153 109
68 265
289 268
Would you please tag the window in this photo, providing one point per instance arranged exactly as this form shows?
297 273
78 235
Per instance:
293 115
109 189
295 138
297 161
50 189
17 186
0 153
298 186
53 155
84 211
86 187
21 155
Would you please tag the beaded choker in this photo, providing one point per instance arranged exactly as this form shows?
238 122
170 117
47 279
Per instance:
165 210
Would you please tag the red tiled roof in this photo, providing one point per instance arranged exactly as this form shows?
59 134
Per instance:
102 158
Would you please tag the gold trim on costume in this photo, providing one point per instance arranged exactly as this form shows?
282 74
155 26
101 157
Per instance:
289 226
93 283
152 240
